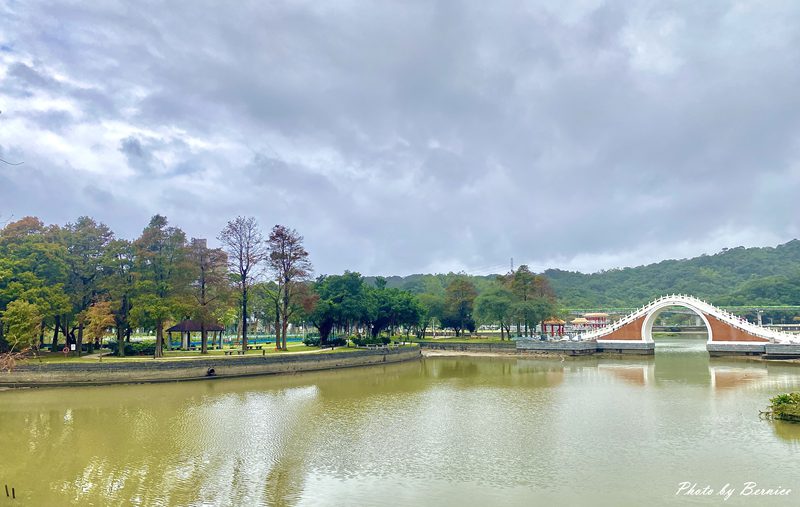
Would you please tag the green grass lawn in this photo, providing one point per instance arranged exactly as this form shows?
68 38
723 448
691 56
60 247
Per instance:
339 350
268 349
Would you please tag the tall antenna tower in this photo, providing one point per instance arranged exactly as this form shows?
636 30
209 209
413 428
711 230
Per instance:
512 264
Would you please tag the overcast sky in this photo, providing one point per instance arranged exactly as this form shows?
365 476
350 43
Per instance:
403 137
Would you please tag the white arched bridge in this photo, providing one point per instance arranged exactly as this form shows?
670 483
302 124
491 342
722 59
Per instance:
728 334
722 326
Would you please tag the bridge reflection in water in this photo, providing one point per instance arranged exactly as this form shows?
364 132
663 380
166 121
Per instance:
683 359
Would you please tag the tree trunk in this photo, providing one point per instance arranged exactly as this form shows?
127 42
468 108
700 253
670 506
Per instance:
203 338
285 315
120 341
159 352
123 328
3 343
54 345
501 332
244 319
79 343
277 328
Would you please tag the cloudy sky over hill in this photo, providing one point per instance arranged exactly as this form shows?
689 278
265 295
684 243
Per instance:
403 137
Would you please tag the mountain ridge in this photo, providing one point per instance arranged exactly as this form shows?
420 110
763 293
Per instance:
739 275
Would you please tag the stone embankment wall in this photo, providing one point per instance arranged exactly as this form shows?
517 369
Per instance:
510 346
530 346
162 370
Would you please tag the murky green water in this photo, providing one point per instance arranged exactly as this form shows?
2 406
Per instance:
443 431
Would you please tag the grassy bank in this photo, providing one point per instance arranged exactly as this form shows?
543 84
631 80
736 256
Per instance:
104 356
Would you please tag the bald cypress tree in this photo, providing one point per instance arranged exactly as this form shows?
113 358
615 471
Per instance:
244 244
164 275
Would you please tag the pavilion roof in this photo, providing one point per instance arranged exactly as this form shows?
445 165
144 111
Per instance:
195 325
553 320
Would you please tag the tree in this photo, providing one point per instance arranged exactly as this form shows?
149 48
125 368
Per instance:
496 305
33 269
288 260
322 313
210 285
459 300
245 246
337 300
161 255
120 283
431 309
265 304
22 321
86 241
99 319
534 299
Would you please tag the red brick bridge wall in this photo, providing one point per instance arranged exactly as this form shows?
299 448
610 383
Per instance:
720 332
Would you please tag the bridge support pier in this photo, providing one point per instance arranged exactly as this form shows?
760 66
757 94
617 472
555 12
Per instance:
640 348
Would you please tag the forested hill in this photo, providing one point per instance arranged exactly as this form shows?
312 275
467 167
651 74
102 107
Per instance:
735 276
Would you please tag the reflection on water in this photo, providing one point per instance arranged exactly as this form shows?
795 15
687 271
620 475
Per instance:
682 359
787 431
441 431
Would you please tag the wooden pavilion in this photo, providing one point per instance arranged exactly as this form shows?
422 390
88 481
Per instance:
187 327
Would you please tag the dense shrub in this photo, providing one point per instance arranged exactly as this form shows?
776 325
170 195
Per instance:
314 341
311 341
145 348
369 340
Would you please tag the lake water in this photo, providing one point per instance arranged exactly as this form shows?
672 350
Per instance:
456 431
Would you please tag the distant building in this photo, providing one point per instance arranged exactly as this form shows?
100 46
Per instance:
553 327
596 320
580 324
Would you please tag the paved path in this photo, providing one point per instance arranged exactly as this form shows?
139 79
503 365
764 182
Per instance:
96 355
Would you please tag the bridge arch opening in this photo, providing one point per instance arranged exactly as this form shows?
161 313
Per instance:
653 314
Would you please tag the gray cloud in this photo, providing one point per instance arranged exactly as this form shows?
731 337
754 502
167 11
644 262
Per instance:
405 137
139 158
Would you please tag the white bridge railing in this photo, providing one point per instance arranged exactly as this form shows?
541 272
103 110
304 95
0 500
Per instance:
707 308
